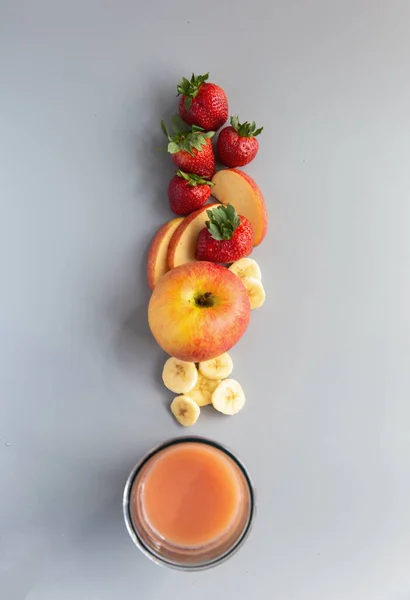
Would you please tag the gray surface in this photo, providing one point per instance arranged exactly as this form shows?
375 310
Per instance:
325 364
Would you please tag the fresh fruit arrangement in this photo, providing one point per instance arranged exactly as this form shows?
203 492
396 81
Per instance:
204 284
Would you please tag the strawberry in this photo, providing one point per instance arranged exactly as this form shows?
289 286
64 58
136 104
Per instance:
187 192
226 238
202 104
237 145
191 149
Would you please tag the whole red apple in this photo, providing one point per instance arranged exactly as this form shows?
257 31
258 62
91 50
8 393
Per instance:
198 311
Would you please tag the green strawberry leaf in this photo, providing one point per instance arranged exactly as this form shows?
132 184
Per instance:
214 231
173 148
196 143
185 139
215 216
178 125
193 180
235 122
226 233
188 103
184 84
245 129
223 221
164 128
183 175
190 88
231 216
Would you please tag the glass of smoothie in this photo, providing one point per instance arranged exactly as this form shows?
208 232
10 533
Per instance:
189 504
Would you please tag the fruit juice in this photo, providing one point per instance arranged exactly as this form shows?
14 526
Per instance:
189 503
191 494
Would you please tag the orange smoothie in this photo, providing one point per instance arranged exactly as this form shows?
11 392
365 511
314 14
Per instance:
189 504
191 494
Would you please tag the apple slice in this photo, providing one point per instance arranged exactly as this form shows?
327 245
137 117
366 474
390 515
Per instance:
232 186
182 245
157 264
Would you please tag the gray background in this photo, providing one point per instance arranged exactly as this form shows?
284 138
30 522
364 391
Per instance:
325 363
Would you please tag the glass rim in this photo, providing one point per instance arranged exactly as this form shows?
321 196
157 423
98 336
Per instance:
156 558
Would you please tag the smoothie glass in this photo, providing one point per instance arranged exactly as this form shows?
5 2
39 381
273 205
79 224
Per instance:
189 504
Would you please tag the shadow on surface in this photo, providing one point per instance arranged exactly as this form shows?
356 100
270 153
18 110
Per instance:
155 165
134 342
155 169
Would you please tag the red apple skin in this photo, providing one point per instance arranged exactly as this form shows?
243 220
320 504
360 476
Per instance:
262 202
191 332
255 211
157 254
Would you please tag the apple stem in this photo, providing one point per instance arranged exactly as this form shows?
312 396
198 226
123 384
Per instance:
205 300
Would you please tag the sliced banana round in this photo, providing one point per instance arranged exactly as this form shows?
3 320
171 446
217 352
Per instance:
256 291
185 410
179 376
201 394
246 267
228 397
217 368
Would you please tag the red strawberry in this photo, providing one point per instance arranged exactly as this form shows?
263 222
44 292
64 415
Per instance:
202 104
201 162
226 238
191 149
237 145
187 192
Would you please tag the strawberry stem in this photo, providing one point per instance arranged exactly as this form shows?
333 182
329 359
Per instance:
245 129
185 139
190 88
223 221
193 180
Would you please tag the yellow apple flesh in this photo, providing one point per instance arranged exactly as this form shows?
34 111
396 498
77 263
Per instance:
182 244
157 263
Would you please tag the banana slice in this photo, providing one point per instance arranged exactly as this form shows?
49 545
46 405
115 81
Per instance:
201 394
246 267
256 291
217 368
228 397
179 376
185 410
